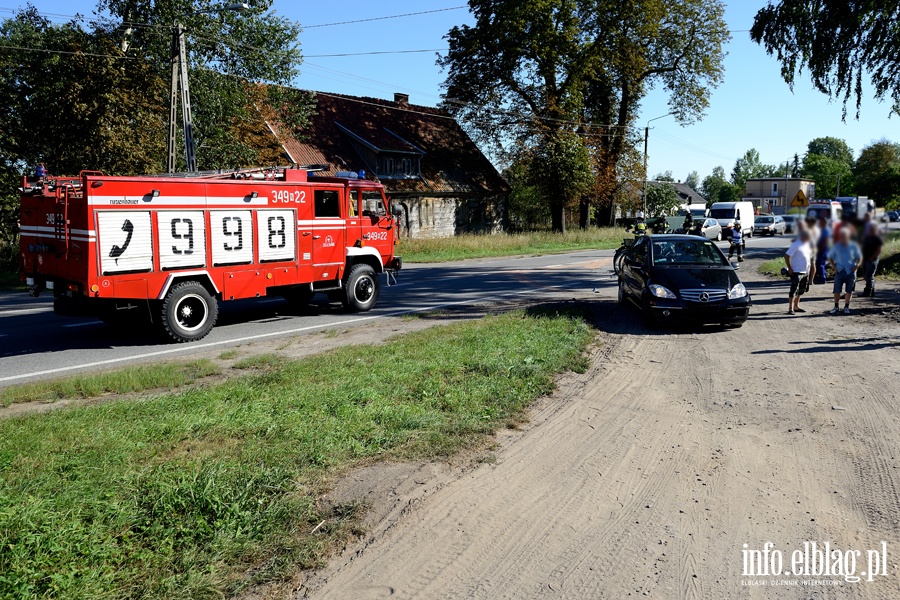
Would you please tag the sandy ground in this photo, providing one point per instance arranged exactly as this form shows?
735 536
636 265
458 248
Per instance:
646 476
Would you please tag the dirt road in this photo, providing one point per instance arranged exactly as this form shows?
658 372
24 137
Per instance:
646 476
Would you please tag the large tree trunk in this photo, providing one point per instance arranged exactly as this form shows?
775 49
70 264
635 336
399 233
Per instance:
584 214
558 217
605 214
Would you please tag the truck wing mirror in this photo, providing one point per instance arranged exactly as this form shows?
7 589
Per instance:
396 210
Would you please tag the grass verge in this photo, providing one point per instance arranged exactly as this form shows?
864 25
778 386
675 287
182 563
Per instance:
9 281
201 493
773 267
482 246
123 381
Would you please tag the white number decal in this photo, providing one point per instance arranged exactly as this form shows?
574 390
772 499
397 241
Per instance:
232 237
289 196
376 235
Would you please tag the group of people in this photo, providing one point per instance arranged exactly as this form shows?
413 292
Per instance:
818 247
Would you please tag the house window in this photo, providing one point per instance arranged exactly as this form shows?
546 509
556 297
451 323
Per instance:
774 188
387 166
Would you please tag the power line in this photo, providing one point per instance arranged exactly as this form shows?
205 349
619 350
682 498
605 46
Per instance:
369 20
375 53
69 52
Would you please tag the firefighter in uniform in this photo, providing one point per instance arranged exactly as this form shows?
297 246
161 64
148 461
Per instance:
737 240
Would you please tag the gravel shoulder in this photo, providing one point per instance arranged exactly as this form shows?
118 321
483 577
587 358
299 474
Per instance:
645 476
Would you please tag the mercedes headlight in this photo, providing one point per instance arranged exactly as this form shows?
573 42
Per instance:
662 292
738 291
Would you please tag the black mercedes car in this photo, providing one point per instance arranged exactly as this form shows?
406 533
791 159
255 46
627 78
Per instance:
683 278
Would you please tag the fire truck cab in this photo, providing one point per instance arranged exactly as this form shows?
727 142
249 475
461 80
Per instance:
168 249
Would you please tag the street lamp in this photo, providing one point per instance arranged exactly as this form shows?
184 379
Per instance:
646 143
180 76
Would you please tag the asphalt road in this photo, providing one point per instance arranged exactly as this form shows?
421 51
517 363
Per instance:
36 344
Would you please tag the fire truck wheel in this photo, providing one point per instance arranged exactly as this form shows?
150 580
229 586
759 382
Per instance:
362 288
188 312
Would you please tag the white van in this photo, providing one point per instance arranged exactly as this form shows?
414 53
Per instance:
832 211
726 213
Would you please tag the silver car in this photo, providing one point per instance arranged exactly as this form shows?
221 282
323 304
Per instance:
769 225
708 228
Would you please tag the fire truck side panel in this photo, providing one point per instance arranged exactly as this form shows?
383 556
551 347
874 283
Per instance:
103 239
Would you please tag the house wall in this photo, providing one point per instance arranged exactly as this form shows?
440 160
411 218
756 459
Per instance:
773 190
437 217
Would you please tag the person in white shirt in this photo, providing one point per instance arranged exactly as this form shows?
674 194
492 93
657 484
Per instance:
814 234
798 259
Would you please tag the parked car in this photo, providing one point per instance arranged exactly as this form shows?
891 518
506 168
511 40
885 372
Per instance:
708 228
682 278
790 223
769 225
892 216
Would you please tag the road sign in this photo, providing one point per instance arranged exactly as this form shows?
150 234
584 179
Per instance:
800 200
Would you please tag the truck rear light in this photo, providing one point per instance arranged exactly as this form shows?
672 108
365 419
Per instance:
73 287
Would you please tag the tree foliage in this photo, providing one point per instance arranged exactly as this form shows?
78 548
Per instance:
750 166
95 95
692 180
829 162
662 199
529 69
838 43
877 172
717 188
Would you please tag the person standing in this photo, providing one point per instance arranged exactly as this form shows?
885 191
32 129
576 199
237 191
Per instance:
846 257
797 259
823 244
871 251
737 239
814 246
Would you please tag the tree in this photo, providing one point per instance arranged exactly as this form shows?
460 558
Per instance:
530 69
662 199
562 169
829 162
692 180
96 95
831 147
828 173
716 188
665 176
750 166
877 171
838 43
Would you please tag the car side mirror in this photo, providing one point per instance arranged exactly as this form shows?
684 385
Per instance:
735 266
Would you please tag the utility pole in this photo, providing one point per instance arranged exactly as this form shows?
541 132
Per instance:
646 145
180 80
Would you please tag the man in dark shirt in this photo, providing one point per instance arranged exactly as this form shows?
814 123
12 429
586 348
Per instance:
871 251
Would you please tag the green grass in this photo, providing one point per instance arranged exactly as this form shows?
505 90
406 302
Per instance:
890 257
122 381
773 267
482 246
202 493
10 281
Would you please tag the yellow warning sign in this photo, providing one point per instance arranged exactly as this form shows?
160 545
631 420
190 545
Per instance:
800 200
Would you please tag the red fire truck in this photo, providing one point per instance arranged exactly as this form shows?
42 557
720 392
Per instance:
171 248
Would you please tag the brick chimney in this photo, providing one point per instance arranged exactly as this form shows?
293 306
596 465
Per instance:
401 99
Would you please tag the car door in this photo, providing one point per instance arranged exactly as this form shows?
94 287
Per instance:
635 270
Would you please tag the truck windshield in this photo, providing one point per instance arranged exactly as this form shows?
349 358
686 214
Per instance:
722 213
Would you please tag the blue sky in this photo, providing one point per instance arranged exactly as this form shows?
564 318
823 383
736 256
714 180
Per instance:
753 107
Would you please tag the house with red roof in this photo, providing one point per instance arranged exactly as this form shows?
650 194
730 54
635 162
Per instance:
426 161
